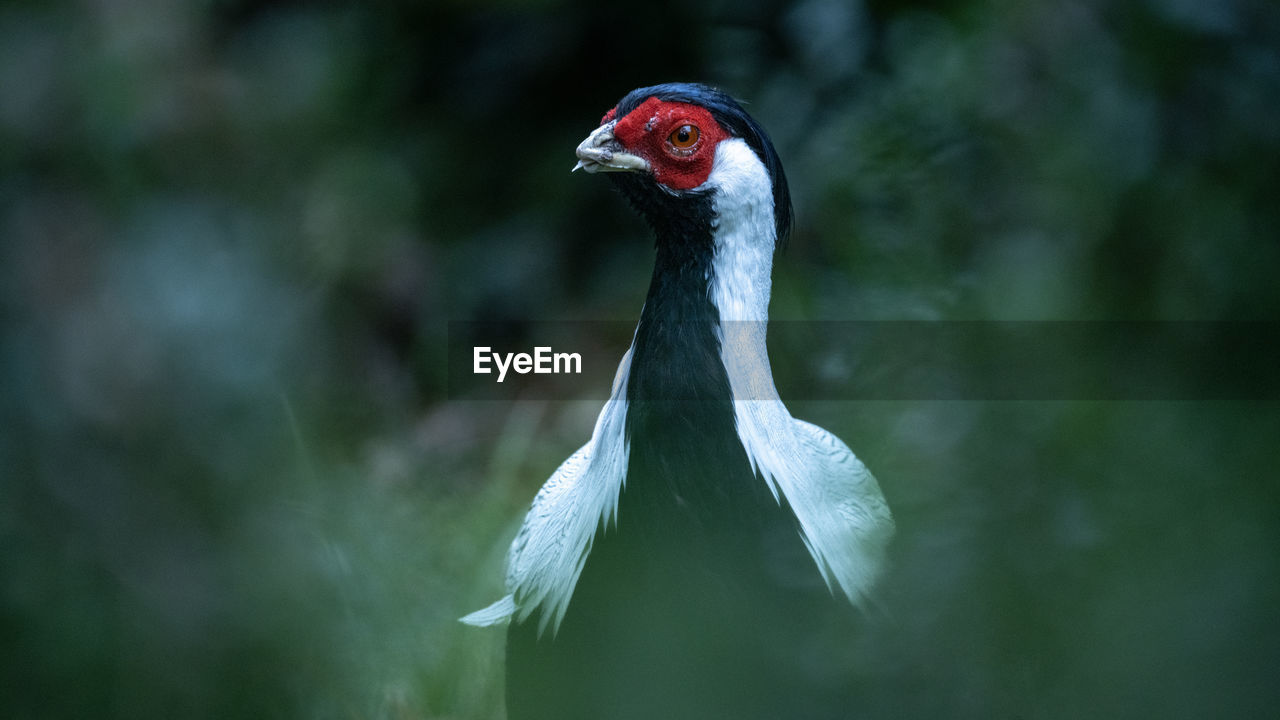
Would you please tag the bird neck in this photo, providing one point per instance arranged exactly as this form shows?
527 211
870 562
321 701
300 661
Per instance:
708 304
699 351
676 355
689 471
744 236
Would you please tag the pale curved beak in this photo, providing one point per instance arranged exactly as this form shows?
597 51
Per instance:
601 152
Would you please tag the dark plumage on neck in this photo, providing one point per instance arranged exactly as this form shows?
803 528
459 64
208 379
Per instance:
677 353
687 460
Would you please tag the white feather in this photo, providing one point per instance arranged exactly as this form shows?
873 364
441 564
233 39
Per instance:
551 548
844 520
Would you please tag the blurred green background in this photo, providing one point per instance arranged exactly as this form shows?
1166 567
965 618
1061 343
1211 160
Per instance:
232 234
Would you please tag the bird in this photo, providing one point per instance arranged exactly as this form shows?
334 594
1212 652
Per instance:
704 554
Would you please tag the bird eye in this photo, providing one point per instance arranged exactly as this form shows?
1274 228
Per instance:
683 138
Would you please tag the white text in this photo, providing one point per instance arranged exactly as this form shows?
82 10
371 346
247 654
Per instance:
541 362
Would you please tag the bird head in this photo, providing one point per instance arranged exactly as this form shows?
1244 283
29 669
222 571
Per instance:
671 147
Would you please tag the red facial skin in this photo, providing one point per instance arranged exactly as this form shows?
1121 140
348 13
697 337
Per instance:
648 132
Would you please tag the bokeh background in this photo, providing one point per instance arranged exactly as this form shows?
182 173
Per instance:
233 232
